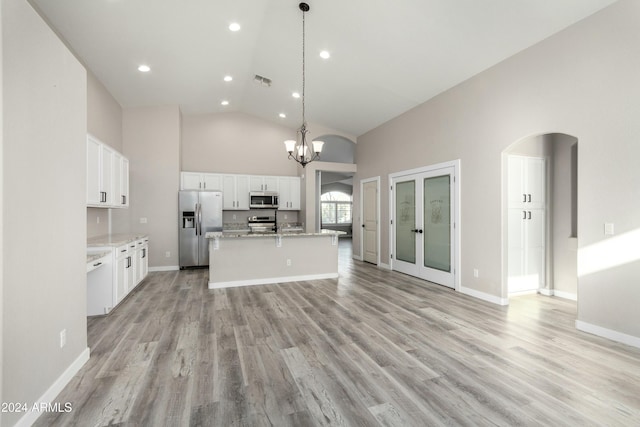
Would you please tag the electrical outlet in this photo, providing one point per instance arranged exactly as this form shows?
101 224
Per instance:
285 216
143 220
97 220
63 338
288 262
167 254
476 273
234 216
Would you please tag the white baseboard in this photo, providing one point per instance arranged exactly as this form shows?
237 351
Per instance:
565 295
164 268
384 266
608 333
484 296
356 257
271 280
546 292
52 392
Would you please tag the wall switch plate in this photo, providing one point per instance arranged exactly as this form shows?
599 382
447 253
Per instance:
288 263
234 216
63 338
167 254
97 220
608 228
143 220
476 273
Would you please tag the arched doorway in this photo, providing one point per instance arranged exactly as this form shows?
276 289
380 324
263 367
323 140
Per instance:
540 213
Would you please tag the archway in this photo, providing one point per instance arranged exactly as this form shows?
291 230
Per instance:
540 260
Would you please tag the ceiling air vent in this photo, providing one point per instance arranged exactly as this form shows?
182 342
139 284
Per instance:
262 80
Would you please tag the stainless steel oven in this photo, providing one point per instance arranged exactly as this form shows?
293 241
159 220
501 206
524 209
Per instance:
263 200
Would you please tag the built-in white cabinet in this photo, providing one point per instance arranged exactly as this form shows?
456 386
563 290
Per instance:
263 183
526 223
107 176
235 194
128 266
289 193
236 188
200 181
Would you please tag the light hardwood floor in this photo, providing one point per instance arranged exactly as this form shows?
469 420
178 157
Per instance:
371 348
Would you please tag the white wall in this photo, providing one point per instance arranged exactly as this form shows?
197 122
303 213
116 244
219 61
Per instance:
1 210
581 82
151 140
235 143
44 277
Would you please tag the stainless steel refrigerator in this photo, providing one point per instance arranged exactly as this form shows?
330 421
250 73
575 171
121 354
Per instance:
199 213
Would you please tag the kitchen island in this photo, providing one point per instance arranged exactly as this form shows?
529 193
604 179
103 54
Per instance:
244 259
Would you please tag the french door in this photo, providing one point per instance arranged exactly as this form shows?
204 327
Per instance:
423 225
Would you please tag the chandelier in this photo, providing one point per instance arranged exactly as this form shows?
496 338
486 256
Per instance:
301 151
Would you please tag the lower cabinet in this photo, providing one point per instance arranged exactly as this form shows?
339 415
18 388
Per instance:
129 266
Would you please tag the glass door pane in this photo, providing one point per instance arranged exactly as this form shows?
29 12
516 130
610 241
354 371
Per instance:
437 222
405 221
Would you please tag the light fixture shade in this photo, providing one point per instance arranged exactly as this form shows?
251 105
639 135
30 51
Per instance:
317 146
290 144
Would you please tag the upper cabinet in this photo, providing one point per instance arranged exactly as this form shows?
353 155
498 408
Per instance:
107 176
200 181
236 188
263 183
235 194
289 192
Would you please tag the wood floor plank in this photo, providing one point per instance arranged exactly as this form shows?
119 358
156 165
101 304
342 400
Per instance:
373 347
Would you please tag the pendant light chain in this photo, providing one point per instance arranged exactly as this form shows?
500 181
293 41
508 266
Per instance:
304 120
303 152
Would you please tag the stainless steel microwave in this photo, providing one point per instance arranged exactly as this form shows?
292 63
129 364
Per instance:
263 200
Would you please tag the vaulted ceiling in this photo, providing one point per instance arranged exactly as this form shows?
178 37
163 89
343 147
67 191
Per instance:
386 56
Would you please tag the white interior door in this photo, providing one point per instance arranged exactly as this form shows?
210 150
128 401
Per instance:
370 221
423 225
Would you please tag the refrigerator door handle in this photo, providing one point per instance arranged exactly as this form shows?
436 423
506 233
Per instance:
199 219
196 219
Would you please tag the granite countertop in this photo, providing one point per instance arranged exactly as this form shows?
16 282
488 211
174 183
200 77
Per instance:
96 255
230 234
114 239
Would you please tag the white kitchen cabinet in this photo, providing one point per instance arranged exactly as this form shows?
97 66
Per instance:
107 174
200 181
526 223
141 264
235 192
121 273
263 183
124 183
107 288
289 192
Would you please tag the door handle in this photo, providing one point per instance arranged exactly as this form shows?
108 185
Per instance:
524 198
529 215
420 231
529 197
524 214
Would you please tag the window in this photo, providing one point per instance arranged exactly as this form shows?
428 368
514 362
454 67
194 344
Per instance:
336 208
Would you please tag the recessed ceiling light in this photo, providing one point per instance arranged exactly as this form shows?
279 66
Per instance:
225 102
295 95
144 68
282 115
325 54
228 78
234 26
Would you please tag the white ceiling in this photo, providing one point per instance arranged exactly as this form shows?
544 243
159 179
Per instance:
387 56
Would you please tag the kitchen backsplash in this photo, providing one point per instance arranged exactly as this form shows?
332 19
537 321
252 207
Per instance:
97 222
